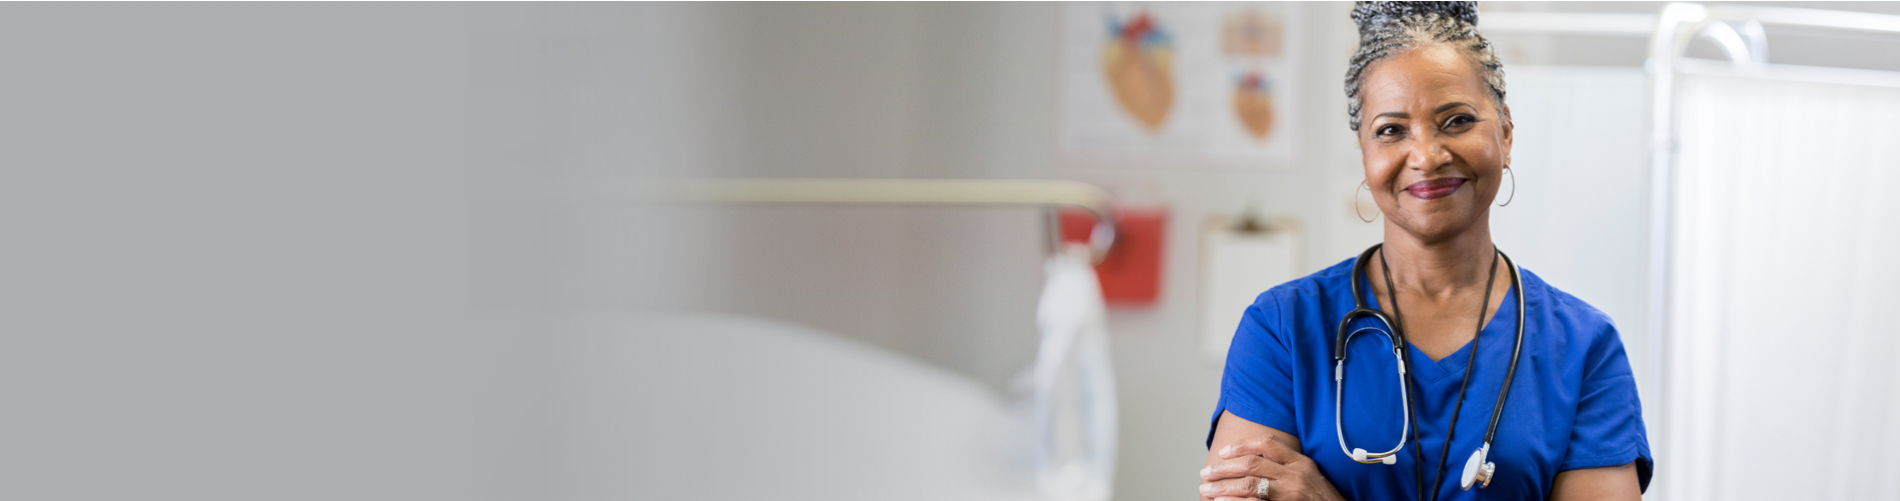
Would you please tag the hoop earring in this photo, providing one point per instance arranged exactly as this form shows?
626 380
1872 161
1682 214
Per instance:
1507 201
1355 202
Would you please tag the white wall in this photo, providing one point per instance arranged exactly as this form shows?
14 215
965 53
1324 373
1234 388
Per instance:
236 254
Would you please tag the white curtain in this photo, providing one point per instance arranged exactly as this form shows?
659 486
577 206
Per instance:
1782 381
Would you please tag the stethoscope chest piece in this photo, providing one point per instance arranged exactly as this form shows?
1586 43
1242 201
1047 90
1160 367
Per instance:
1478 471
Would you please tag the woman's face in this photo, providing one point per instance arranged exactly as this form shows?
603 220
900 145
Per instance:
1433 142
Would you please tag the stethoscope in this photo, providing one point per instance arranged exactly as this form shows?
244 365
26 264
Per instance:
1478 470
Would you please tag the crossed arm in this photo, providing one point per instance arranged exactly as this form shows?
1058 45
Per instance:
1243 452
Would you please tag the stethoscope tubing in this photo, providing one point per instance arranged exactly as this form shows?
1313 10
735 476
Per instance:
1517 348
1339 381
1361 311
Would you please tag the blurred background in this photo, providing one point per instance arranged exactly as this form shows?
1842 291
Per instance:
466 251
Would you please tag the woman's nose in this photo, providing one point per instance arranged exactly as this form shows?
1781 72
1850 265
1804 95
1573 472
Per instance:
1427 152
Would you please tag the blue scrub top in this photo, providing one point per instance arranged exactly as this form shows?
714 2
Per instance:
1572 405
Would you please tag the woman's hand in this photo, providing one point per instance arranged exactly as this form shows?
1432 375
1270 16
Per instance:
1289 474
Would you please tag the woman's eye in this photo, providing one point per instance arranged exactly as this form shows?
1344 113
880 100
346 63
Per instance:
1459 121
1391 130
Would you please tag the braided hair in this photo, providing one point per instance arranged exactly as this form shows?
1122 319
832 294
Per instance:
1392 28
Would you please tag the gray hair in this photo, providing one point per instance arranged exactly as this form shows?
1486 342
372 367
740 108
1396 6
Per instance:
1392 28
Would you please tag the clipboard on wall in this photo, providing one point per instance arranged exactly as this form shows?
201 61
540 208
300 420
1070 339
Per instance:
1241 258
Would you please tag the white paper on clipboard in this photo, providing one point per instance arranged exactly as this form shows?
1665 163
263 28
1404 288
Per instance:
1236 266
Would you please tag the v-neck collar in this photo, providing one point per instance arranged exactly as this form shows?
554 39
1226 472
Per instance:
1498 330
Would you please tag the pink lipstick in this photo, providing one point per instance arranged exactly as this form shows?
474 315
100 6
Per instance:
1436 188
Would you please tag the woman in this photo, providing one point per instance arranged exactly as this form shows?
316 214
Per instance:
1426 99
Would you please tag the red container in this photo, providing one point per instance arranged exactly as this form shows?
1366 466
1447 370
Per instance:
1131 273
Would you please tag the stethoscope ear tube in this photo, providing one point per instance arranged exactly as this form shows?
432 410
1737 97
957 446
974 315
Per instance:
1343 336
1359 309
1339 397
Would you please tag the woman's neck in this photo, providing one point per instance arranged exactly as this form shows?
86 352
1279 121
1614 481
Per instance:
1438 269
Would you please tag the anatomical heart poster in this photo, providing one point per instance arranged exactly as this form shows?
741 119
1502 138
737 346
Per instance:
1178 85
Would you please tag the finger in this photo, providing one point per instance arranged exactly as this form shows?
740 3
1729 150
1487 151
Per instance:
1231 468
1233 487
1244 447
1268 446
1280 452
1255 466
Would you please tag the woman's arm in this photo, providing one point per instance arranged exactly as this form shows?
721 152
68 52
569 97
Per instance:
1243 452
1607 483
1234 429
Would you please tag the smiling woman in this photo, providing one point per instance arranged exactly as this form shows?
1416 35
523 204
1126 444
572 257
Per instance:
1436 130
1426 100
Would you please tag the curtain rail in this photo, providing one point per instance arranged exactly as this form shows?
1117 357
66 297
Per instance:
860 191
976 192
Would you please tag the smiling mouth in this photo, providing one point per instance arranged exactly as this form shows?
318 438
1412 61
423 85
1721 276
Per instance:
1436 188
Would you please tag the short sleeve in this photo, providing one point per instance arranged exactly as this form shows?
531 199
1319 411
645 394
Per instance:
1609 430
1257 383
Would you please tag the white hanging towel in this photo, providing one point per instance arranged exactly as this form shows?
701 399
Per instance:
1075 385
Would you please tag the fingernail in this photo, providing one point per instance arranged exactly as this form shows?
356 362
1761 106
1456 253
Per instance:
1227 450
1205 470
1206 488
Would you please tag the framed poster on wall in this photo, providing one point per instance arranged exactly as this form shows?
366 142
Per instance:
1178 85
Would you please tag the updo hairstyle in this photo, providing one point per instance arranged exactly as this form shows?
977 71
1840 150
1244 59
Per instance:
1392 28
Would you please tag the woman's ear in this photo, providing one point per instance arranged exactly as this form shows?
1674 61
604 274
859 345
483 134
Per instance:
1504 117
